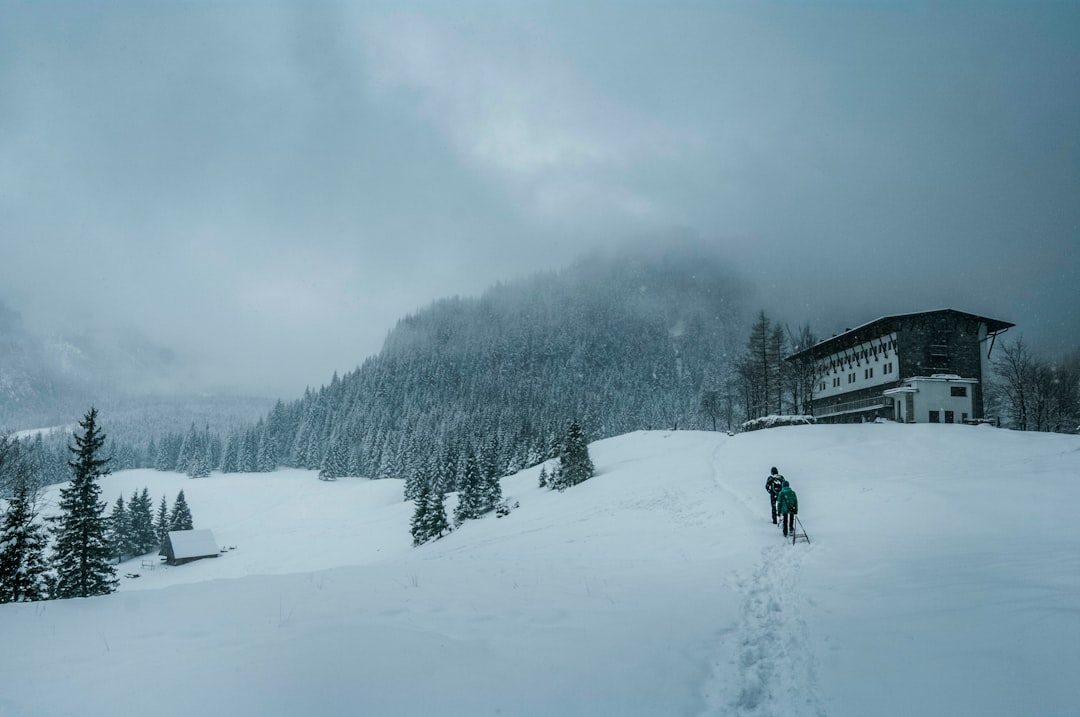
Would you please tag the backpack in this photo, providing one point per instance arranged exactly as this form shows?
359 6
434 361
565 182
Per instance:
773 484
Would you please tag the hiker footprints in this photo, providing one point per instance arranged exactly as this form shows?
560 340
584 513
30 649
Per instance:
765 665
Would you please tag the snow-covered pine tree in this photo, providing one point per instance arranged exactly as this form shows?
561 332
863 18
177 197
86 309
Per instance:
22 547
81 552
336 462
543 481
575 465
420 476
188 449
141 517
420 524
355 464
469 491
229 456
490 488
266 453
438 524
150 458
556 479
247 458
162 522
198 465
120 531
181 514
446 469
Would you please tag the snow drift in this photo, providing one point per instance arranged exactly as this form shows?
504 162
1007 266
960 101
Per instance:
942 579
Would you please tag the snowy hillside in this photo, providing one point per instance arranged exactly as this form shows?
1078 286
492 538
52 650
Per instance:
943 579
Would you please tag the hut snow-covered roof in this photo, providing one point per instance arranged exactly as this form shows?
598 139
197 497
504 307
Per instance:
192 544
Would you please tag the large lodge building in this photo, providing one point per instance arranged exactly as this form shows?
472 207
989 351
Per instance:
914 368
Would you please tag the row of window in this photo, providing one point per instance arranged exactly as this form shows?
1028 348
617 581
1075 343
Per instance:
868 373
935 417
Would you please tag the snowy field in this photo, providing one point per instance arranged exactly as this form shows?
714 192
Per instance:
943 579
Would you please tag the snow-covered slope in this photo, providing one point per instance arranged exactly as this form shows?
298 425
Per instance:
943 578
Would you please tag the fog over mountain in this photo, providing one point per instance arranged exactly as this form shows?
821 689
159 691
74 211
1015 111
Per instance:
263 189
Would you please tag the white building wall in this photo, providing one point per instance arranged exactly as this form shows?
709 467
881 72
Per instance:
935 394
872 363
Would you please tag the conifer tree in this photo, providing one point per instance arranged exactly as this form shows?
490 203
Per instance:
181 514
229 455
198 465
429 521
575 465
120 530
419 525
437 522
22 548
162 524
419 477
81 553
335 464
266 453
490 490
141 517
470 498
543 481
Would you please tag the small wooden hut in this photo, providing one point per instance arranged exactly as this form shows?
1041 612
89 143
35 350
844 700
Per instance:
183 546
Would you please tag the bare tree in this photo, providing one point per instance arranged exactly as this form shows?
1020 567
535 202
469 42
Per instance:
1015 367
1039 395
803 373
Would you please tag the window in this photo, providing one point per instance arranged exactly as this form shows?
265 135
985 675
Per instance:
949 417
935 417
958 390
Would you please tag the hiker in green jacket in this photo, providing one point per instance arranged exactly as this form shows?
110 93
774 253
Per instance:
787 504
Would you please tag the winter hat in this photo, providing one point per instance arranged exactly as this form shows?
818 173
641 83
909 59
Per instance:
774 471
784 483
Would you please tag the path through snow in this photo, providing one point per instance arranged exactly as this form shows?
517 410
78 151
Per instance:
764 664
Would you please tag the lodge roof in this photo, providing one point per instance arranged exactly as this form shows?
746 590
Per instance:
887 324
192 544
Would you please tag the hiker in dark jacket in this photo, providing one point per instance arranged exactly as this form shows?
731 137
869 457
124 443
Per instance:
773 484
788 505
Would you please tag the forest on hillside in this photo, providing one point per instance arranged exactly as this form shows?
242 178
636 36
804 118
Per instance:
617 342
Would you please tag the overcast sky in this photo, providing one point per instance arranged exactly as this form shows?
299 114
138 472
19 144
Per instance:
269 186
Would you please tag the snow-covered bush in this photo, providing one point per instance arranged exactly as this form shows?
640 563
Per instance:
775 421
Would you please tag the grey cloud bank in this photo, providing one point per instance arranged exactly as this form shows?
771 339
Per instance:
268 187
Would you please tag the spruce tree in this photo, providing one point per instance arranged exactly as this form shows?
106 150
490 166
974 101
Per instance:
22 548
266 454
198 465
81 553
420 523
420 477
335 463
437 522
120 531
162 523
181 514
470 498
141 517
491 489
575 465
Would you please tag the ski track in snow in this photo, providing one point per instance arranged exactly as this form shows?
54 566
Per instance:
765 664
